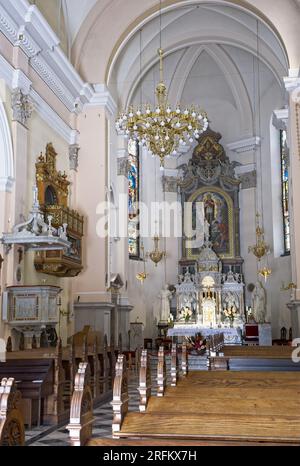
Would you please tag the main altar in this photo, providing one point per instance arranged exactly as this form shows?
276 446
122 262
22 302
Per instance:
210 290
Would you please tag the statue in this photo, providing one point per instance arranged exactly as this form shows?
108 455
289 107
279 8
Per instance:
259 302
209 209
206 230
165 296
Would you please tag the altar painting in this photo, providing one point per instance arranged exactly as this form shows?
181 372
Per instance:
218 212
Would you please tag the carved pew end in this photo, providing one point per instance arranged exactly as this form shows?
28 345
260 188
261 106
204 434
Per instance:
81 414
12 432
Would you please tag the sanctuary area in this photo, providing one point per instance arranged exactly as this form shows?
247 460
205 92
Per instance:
149 222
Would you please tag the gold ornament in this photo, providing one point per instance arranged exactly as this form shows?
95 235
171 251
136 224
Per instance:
162 130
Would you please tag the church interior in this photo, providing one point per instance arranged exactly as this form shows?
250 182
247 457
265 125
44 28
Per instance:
149 225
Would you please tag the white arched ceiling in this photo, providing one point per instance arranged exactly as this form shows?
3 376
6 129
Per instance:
237 44
201 25
6 152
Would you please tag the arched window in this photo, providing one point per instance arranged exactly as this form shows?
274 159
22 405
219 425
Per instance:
285 190
133 200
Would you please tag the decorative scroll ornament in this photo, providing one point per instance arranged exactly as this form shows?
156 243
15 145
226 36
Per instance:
162 130
35 233
156 255
21 105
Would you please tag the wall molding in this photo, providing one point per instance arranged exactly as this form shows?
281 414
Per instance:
245 145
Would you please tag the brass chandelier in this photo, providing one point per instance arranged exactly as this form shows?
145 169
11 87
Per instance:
261 248
162 129
156 255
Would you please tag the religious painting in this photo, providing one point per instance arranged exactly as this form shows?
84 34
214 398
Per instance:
218 213
133 199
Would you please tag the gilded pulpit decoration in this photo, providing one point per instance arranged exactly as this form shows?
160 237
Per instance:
22 106
73 156
53 190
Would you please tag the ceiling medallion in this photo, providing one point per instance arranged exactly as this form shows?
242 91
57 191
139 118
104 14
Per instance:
162 129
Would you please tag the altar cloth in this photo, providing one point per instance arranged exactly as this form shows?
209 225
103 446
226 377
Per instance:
232 335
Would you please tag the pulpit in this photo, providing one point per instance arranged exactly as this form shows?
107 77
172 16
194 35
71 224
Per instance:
30 309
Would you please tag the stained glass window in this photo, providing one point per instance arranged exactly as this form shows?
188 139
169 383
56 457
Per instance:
133 199
285 190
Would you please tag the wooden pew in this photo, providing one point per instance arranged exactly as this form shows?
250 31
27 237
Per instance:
81 413
242 408
144 388
174 365
120 395
40 377
12 431
35 380
161 372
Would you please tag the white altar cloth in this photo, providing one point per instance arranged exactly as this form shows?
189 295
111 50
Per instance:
232 335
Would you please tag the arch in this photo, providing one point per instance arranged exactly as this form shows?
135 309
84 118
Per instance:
6 153
147 10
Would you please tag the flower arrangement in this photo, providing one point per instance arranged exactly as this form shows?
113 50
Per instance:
186 313
197 344
231 314
171 320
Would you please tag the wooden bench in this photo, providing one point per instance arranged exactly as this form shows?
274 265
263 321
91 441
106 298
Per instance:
35 380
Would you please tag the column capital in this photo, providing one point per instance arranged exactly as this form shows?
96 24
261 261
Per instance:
22 106
73 156
280 118
292 81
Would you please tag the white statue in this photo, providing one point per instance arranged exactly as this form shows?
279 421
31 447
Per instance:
165 296
206 230
259 302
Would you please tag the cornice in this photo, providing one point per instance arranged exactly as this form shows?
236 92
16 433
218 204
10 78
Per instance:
245 145
103 98
17 79
25 27
280 118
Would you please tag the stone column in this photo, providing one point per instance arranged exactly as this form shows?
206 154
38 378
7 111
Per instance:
292 84
91 287
244 151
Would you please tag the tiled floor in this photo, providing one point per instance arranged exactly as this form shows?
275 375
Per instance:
101 426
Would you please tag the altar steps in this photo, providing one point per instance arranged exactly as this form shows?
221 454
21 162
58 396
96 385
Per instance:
207 407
